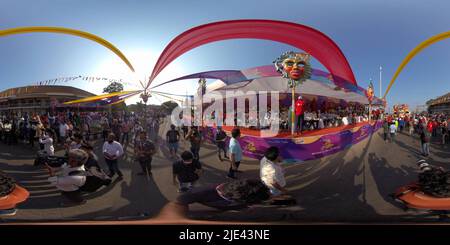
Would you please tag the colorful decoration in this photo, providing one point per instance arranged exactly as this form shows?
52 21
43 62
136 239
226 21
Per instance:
401 109
73 32
144 96
302 149
370 92
106 98
294 66
413 53
303 37
54 81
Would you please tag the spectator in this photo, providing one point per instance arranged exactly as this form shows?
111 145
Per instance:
7 128
105 127
115 129
392 130
76 141
221 136
68 184
144 151
112 151
63 129
271 173
125 130
186 171
47 140
385 130
195 139
235 153
425 141
172 138
93 159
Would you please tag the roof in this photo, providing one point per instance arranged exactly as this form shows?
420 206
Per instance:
440 100
35 91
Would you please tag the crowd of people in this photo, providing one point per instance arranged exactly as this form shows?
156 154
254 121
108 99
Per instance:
30 127
307 116
426 126
74 133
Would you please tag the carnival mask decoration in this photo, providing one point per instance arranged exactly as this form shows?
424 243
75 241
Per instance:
294 66
144 96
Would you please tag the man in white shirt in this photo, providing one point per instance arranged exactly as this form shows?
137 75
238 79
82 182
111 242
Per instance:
235 153
7 127
392 130
67 182
345 120
47 140
112 150
63 128
271 173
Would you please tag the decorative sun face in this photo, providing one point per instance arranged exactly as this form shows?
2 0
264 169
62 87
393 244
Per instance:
294 66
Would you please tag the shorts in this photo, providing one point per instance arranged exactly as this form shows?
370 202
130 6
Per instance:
173 146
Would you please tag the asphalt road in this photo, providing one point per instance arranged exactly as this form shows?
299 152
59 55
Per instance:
350 186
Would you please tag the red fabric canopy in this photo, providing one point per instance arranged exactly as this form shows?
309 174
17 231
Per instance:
303 37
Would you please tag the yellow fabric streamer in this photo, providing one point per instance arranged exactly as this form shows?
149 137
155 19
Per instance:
62 30
99 97
413 53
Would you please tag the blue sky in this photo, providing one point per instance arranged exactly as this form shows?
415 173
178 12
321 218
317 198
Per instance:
370 33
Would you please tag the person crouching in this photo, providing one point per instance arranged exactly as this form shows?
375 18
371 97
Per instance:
271 173
68 184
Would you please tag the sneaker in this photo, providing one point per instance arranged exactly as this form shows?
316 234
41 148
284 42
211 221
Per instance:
8 212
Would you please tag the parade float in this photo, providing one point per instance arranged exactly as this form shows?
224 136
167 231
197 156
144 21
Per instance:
401 110
335 88
320 92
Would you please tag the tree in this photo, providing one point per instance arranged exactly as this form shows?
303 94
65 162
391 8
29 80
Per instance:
168 106
138 107
113 87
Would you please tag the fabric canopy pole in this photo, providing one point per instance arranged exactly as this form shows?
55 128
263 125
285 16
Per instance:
303 37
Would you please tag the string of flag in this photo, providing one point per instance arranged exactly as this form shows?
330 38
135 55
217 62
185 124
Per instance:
84 78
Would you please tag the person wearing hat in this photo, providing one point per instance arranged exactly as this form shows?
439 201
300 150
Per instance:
11 194
68 184
300 113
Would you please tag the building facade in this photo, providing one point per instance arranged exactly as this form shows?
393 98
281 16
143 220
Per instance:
38 99
439 105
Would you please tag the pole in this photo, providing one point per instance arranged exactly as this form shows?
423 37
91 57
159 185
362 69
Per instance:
293 111
381 69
